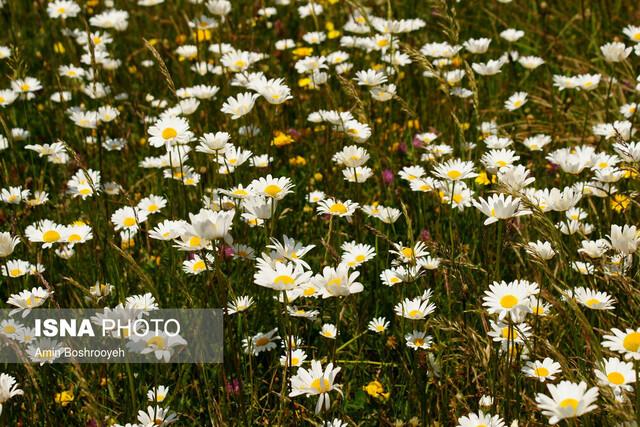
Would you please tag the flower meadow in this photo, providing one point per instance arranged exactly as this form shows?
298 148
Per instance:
412 212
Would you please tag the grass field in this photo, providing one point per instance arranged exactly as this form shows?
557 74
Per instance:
414 212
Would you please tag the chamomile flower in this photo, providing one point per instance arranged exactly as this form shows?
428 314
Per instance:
290 249
45 232
335 207
14 195
498 207
409 254
240 105
77 233
274 188
542 370
260 342
516 101
508 333
418 340
152 204
158 394
239 304
281 276
356 254
378 325
316 382
169 131
616 374
197 265
567 400
316 196
455 170
7 244
157 416
480 419
370 78
338 281
414 309
624 239
16 268
615 51
128 218
8 389
594 299
329 331
625 342
298 357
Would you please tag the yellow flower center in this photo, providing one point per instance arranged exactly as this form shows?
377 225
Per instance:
454 174
51 236
10 329
414 313
508 301
309 291
129 222
199 265
30 301
538 310
632 341
24 87
570 403
338 208
169 133
262 341
74 238
272 190
156 341
508 334
284 280
591 302
418 342
334 282
152 207
407 252
15 272
616 378
541 372
321 385
360 258
194 241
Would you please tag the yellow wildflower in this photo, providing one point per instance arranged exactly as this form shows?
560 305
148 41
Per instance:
281 139
65 397
620 202
375 389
